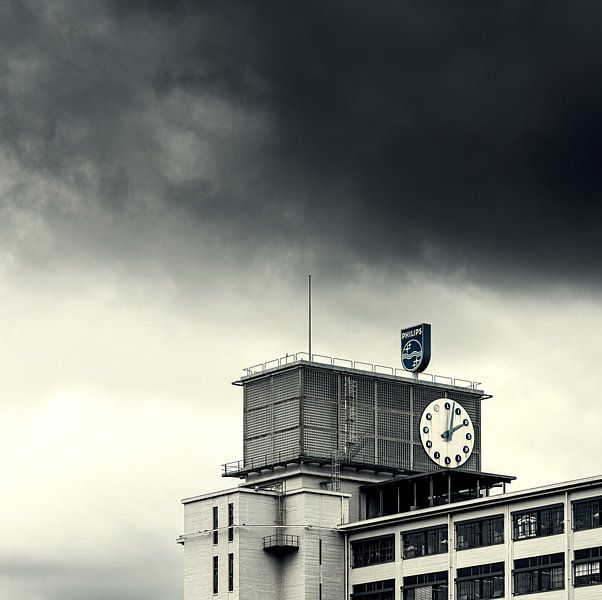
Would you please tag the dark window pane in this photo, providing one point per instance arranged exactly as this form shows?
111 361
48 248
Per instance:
373 551
424 542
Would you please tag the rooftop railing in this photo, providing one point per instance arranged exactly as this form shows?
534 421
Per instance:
359 365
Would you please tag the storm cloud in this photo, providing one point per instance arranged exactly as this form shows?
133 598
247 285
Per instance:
462 139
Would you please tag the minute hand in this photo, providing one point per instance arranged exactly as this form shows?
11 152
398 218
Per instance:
450 431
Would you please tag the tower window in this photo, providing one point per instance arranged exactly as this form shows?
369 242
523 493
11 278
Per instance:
215 574
230 572
215 525
230 522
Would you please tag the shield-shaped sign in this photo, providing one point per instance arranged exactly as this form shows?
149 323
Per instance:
416 347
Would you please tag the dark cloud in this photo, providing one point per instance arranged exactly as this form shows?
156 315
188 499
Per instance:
460 137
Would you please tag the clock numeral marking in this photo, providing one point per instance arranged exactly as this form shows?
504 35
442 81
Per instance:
443 419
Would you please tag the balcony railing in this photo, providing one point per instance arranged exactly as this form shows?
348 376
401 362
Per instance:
281 543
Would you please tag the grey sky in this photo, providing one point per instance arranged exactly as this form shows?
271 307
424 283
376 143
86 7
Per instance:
170 173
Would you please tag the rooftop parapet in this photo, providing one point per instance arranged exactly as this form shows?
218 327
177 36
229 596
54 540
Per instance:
359 367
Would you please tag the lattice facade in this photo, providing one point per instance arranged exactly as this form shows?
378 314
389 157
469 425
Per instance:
313 411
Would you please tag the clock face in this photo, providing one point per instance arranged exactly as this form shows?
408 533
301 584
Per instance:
447 433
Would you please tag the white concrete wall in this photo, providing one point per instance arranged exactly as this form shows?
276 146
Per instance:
313 515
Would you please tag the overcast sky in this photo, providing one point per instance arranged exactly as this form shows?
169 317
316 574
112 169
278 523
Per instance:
170 172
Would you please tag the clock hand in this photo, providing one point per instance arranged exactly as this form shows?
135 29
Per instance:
450 431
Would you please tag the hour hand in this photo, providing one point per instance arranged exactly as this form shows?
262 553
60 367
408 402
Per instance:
447 434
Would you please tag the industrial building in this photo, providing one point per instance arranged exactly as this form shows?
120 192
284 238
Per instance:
365 482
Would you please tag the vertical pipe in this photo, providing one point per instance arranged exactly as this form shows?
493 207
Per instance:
309 315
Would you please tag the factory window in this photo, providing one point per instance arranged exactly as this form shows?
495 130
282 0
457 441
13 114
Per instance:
215 575
375 590
482 532
424 542
587 566
538 574
482 582
538 522
586 514
430 586
215 525
230 522
230 572
373 551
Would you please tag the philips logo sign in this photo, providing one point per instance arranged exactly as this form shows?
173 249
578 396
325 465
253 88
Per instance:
416 347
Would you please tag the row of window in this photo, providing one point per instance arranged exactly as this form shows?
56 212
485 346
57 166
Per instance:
485 582
230 523
548 520
230 573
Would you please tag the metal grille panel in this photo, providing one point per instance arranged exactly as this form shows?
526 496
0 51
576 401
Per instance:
394 453
376 419
393 396
393 425
286 414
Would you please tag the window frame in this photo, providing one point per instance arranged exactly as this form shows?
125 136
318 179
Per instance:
536 526
489 573
215 525
438 582
554 562
230 571
230 521
216 575
423 545
592 558
576 503
373 555
387 589
481 534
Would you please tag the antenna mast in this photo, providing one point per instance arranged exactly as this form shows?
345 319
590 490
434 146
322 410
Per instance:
309 315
